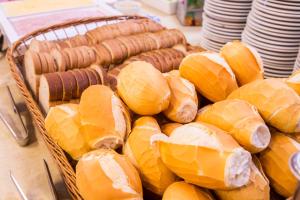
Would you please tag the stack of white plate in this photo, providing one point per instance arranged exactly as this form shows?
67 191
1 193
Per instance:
223 21
273 28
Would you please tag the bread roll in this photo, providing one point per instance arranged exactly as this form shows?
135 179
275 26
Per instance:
275 162
206 156
104 174
241 120
294 81
244 61
210 74
63 125
257 189
169 127
278 104
143 88
155 175
184 101
184 191
103 117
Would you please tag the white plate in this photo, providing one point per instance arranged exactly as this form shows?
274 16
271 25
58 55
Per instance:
277 21
277 72
292 45
277 12
270 37
277 58
232 12
221 33
267 75
278 68
237 9
207 47
229 30
223 23
270 7
225 18
271 31
211 45
272 16
273 62
274 26
277 5
232 3
217 37
286 2
270 46
271 52
267 27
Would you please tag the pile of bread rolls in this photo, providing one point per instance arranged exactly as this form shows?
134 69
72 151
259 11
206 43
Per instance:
106 46
180 125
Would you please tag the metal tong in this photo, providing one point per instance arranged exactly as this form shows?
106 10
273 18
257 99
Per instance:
21 136
50 183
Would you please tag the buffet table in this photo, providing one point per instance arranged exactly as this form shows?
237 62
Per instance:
26 162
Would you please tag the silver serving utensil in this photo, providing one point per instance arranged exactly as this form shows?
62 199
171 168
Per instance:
294 164
18 187
21 136
50 180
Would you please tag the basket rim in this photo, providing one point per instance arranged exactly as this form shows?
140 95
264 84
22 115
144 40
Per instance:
32 105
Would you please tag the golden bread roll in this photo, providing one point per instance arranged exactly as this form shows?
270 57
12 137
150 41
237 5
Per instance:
244 61
278 104
257 189
241 120
63 125
143 88
169 127
184 191
204 155
275 162
155 175
105 122
104 174
184 101
210 74
294 81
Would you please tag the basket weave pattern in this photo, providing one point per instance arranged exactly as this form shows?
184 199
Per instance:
15 55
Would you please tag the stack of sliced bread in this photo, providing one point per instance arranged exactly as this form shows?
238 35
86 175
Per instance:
62 87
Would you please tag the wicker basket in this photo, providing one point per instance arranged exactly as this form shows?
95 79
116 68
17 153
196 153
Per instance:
15 57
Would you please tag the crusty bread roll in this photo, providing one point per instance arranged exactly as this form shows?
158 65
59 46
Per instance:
210 74
184 191
294 81
104 174
275 162
157 58
257 189
143 88
169 127
241 120
103 117
278 104
63 125
184 101
155 176
204 155
244 61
